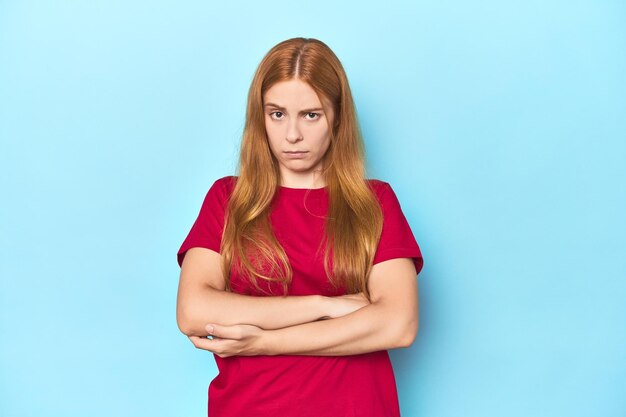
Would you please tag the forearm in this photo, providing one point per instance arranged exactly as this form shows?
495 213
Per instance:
273 312
374 327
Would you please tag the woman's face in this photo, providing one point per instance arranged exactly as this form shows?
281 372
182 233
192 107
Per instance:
298 132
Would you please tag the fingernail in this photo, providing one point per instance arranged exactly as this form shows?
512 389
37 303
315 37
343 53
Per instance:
209 328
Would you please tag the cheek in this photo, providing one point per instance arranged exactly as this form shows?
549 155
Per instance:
272 134
323 137
273 140
272 144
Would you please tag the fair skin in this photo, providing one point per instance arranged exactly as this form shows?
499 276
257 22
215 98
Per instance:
296 325
296 121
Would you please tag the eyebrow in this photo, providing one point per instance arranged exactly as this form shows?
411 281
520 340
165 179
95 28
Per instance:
276 106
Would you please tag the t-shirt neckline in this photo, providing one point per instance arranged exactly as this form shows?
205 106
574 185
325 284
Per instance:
302 191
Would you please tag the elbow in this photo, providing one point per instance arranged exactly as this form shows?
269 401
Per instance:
403 329
408 333
187 324
193 313
183 323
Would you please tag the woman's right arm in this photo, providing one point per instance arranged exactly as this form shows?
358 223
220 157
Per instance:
201 300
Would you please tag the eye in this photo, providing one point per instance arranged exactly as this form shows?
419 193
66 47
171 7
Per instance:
316 115
274 112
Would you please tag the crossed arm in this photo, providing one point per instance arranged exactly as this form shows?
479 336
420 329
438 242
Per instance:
293 325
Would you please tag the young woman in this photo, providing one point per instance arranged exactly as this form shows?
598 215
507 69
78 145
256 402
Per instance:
299 273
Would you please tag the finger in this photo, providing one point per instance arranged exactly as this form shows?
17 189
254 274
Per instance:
225 332
218 346
212 345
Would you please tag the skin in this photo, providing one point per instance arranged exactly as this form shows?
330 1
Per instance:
295 120
389 322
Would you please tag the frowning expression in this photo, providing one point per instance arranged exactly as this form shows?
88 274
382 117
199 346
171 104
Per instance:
298 130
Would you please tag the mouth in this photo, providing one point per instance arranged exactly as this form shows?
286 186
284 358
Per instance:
295 154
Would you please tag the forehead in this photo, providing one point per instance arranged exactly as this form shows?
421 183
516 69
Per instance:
292 94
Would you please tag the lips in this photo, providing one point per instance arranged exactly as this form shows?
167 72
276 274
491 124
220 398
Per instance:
295 154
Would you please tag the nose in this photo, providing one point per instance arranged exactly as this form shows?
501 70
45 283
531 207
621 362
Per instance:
293 133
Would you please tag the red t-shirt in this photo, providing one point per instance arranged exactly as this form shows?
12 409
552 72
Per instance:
302 385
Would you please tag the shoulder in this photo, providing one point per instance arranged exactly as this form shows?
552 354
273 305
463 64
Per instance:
385 194
222 188
378 186
226 183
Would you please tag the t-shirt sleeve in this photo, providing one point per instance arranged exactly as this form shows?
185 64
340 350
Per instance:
396 240
206 231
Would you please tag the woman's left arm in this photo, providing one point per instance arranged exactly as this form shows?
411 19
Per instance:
389 322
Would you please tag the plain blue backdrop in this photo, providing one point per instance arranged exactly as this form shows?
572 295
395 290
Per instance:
500 125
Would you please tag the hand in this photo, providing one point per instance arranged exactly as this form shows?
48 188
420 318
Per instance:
238 339
346 304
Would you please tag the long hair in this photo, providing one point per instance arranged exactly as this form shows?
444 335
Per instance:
354 221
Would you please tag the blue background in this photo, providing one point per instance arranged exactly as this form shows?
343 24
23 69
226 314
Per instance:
500 125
